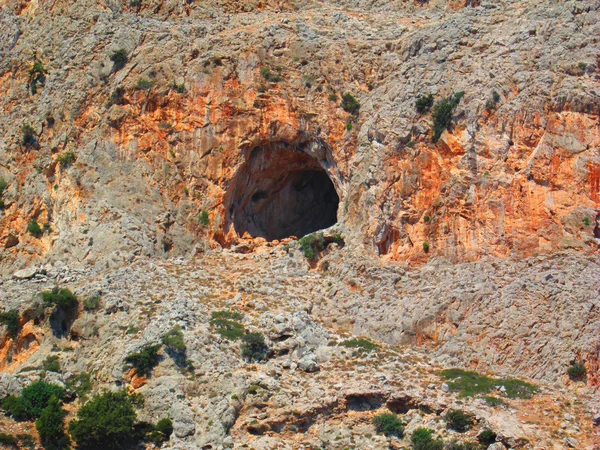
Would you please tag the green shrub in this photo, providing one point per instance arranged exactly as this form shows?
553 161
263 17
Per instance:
37 75
8 439
105 422
350 104
3 186
173 340
229 315
119 59
179 88
458 420
143 84
145 360
349 125
66 159
51 426
228 328
34 398
28 136
10 319
51 364
311 245
422 439
486 437
388 424
162 431
442 114
491 104
62 298
425 247
470 384
91 303
254 347
362 344
26 441
266 73
424 103
455 445
204 219
15 407
493 401
332 97
577 371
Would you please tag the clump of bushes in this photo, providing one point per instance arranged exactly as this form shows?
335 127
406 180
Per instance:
66 159
469 384
350 104
361 344
119 59
145 360
34 398
389 424
458 420
51 426
422 439
162 430
28 136
577 371
424 103
442 114
266 73
10 319
311 245
34 229
229 329
254 347
51 364
60 297
486 437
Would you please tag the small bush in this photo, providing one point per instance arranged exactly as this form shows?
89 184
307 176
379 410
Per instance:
362 344
34 228
388 424
51 364
28 136
179 88
143 84
350 104
8 439
119 59
91 303
62 298
66 159
458 420
204 219
455 445
3 186
51 426
15 407
311 245
442 114
37 75
349 125
470 384
10 319
173 340
486 437
106 422
494 401
81 384
577 371
424 103
228 328
332 97
229 315
162 431
425 247
266 73
254 347
116 98
145 360
422 440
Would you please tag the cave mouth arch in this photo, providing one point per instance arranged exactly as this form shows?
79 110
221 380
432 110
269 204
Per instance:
282 191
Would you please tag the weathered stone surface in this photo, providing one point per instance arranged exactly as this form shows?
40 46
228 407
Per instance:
25 274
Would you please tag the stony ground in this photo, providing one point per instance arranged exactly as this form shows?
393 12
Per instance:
312 392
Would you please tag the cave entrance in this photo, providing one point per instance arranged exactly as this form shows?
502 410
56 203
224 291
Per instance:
282 191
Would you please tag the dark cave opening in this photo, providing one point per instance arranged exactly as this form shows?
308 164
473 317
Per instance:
282 191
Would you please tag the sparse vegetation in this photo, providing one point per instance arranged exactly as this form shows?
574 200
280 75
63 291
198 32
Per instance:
586 220
426 247
350 104
494 401
229 329
66 159
119 59
424 103
491 104
349 125
179 88
254 347
81 384
145 360
10 319
442 114
332 97
470 384
311 245
174 342
3 186
28 136
361 344
458 420
37 75
389 424
51 364
34 229
577 371
229 315
91 303
266 73
143 84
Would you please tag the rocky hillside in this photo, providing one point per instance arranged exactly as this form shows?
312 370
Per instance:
161 158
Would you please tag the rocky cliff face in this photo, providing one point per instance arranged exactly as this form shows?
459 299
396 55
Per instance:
138 132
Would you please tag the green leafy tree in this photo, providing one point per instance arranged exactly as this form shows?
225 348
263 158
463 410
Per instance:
105 422
51 426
